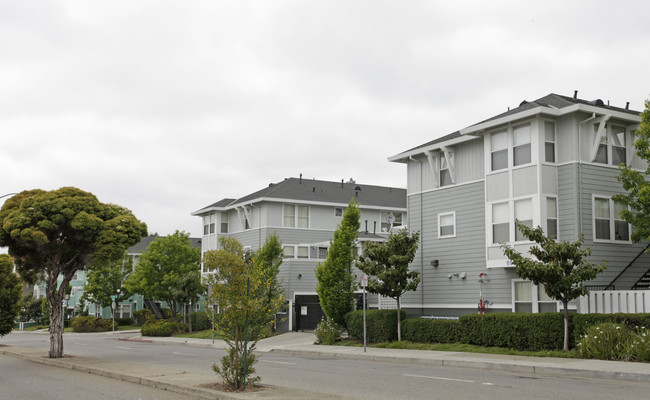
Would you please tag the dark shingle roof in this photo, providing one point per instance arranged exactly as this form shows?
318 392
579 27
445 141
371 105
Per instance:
140 247
315 191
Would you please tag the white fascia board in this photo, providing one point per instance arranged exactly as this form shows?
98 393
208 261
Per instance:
423 150
207 210
318 203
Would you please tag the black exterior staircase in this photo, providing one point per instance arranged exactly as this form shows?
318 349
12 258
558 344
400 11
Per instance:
155 308
643 283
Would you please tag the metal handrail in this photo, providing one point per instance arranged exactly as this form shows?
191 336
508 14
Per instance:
611 284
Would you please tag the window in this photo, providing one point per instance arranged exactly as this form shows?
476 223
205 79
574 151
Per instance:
196 306
447 225
293 214
500 223
206 229
322 253
618 145
445 174
303 252
98 311
551 217
289 251
549 141
521 145
124 311
608 224
390 220
224 222
529 298
212 227
499 147
523 214
338 212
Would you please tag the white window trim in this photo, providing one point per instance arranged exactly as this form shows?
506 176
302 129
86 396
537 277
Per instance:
511 223
612 222
296 216
453 215
509 130
535 297
295 251
545 216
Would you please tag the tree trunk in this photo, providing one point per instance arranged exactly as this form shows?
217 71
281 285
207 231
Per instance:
55 301
399 321
566 325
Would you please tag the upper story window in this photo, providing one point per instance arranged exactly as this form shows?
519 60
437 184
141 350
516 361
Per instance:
224 222
611 148
523 214
499 148
447 225
390 220
608 224
500 223
551 217
322 253
521 145
502 220
338 212
445 173
296 216
549 141
208 228
291 251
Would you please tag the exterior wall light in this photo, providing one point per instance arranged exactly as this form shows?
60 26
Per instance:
434 263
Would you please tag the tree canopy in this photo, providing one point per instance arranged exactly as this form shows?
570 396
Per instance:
560 267
387 263
10 290
56 233
105 279
168 270
335 285
636 183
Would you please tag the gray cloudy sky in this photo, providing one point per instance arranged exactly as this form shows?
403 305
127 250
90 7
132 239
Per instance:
167 106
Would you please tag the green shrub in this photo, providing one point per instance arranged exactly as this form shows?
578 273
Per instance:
520 331
607 341
123 321
91 324
579 323
162 328
640 344
143 316
381 325
424 330
328 332
200 321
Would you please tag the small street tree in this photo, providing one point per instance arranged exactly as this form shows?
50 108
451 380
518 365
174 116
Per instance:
55 233
31 309
10 290
268 260
387 264
163 269
560 267
636 183
335 285
105 279
240 290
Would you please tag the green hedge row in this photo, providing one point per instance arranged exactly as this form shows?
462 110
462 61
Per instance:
91 324
381 325
200 321
521 331
162 328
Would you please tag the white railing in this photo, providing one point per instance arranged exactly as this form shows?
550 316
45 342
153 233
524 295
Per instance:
615 301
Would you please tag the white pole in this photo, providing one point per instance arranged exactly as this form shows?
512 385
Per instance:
364 319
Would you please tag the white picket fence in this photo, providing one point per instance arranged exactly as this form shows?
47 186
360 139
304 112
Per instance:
615 301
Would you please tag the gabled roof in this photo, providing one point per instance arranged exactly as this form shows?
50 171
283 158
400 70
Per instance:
141 247
552 104
315 191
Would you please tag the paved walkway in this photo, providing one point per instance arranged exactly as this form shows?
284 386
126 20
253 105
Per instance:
298 343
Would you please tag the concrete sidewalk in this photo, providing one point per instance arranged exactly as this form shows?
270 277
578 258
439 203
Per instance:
302 344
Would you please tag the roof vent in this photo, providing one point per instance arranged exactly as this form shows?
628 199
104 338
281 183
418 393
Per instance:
597 102
523 103
575 94
627 105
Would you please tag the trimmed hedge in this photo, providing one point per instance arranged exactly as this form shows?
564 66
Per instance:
200 321
162 328
521 331
91 324
423 330
124 321
381 325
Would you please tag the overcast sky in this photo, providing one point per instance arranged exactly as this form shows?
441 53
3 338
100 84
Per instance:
165 107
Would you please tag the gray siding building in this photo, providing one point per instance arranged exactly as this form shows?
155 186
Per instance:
552 162
304 213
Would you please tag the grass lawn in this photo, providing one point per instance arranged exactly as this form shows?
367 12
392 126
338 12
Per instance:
206 334
468 348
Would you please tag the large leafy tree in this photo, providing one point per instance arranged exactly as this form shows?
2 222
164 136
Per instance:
387 263
242 288
105 279
560 267
10 288
53 234
335 285
636 183
168 271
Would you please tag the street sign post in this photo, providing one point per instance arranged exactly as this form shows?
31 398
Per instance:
364 284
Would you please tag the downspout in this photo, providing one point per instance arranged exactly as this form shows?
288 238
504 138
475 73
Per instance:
421 240
579 176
